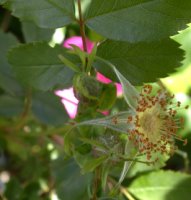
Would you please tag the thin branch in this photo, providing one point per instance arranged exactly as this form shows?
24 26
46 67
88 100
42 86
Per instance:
6 21
121 189
82 32
96 183
125 192
25 112
82 27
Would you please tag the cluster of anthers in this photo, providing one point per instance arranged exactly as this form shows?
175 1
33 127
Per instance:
156 123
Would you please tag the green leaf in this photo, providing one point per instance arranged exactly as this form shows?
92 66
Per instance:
2 1
104 174
7 79
33 33
138 168
79 52
83 149
48 108
13 189
117 122
131 152
70 184
10 106
91 57
10 84
31 191
44 13
108 97
94 163
162 185
183 38
37 64
140 62
138 20
88 163
69 64
69 138
130 93
93 142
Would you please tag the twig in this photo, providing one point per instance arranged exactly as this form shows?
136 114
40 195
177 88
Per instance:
123 190
6 21
126 193
96 183
82 30
25 112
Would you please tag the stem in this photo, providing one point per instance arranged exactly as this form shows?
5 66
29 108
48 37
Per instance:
96 183
122 189
135 160
6 21
82 27
25 111
126 193
82 32
27 104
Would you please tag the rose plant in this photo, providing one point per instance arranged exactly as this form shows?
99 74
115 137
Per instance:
91 119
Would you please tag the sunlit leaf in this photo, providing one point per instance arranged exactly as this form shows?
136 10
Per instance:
162 185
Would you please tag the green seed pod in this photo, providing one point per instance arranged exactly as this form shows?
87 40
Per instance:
87 87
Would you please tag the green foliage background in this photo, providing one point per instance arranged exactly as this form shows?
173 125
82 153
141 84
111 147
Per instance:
37 155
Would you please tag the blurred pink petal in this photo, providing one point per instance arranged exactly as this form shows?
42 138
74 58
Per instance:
103 79
77 40
67 94
105 112
71 108
119 89
69 100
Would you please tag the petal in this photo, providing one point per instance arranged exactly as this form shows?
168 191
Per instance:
69 100
102 78
71 108
77 40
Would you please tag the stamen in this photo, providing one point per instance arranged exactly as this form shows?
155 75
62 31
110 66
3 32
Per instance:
156 122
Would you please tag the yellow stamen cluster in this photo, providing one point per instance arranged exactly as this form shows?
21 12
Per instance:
155 123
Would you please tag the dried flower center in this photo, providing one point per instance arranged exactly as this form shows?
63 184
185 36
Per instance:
150 124
155 123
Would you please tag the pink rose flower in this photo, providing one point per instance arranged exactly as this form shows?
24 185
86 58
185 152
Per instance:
77 40
69 101
67 95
